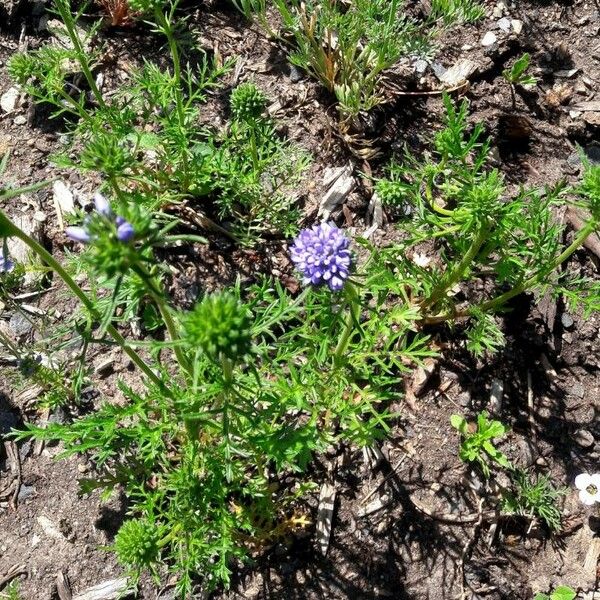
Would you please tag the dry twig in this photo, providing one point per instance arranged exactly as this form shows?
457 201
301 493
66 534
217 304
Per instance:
467 549
13 572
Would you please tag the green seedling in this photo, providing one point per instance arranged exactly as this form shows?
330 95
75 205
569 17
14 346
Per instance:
477 445
562 592
517 75
480 231
11 591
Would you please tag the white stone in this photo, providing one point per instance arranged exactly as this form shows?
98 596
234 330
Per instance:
499 10
459 73
488 39
10 99
504 24
517 26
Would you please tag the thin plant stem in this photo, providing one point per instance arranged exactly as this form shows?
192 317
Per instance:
352 316
64 9
165 312
460 268
589 228
164 23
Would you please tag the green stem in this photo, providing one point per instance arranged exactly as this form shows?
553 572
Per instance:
589 228
433 204
64 9
164 24
495 303
78 108
165 312
7 225
114 184
352 318
455 275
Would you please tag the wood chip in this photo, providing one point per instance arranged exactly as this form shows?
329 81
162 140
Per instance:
422 376
325 516
591 558
375 211
13 572
373 456
576 220
49 528
459 73
62 586
375 505
111 589
590 105
341 183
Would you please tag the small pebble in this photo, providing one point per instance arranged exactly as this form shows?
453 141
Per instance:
584 438
20 120
421 66
488 39
504 24
20 325
295 74
464 399
517 26
499 10
496 395
567 320
25 492
577 390
9 100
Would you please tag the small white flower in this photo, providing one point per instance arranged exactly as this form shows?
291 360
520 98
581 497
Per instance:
589 488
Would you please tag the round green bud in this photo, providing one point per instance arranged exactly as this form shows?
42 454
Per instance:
220 325
247 101
136 544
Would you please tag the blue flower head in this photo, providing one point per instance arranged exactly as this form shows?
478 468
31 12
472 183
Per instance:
6 265
322 254
124 230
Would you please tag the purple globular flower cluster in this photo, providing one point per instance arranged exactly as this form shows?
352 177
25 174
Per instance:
125 231
322 254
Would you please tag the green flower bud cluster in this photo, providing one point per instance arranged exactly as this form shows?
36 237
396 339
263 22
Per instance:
146 6
136 543
105 153
391 193
22 67
247 102
589 189
220 325
110 237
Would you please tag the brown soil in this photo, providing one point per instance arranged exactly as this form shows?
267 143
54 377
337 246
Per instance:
427 541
